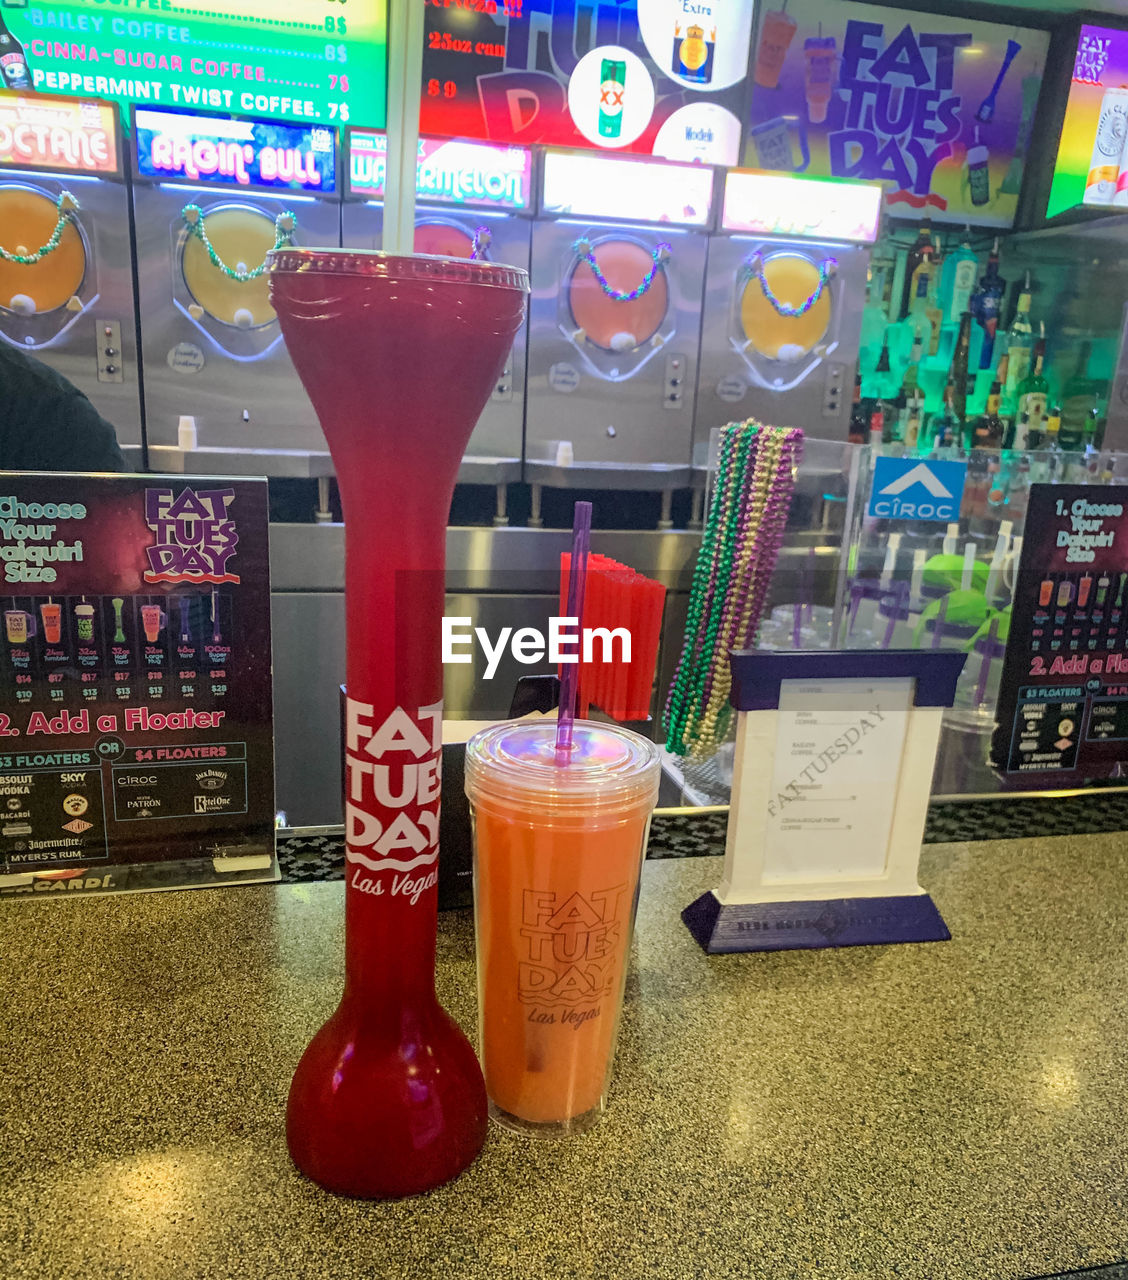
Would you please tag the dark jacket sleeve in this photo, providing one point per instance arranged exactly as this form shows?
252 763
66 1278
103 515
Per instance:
71 435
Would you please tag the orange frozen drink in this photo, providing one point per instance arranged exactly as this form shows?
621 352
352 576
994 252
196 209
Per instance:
557 854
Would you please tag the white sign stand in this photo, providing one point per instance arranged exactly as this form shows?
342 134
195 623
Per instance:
834 761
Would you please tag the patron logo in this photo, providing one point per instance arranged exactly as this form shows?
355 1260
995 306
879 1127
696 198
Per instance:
911 489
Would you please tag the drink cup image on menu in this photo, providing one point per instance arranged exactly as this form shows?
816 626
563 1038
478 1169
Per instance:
84 622
52 616
19 625
118 605
153 620
777 30
611 96
820 59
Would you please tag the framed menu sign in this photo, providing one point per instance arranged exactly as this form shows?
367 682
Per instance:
135 688
1062 712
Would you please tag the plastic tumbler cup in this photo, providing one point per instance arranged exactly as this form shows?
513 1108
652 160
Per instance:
776 34
52 615
557 856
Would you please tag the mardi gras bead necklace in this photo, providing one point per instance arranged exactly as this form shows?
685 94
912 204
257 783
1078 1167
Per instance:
659 256
754 269
739 549
284 225
66 206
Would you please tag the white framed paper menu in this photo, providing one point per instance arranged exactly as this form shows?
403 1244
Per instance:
831 779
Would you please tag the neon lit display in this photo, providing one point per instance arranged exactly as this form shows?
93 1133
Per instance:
58 133
461 173
594 186
1092 160
773 204
653 77
938 109
305 60
238 153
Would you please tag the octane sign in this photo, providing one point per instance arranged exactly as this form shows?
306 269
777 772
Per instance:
235 152
58 133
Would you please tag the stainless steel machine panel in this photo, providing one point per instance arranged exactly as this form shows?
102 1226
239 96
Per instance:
613 381
787 371
74 309
446 230
212 346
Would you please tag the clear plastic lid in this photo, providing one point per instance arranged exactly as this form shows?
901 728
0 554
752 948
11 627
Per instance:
389 266
609 767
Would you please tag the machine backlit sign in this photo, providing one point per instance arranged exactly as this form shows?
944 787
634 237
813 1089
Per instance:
595 186
772 204
462 173
238 153
305 60
58 133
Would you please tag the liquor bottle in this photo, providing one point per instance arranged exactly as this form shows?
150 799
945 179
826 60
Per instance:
859 420
985 304
946 427
921 246
612 82
14 73
921 282
1018 433
933 312
1033 396
1020 344
883 370
990 430
959 371
913 413
911 380
1053 428
957 281
1078 400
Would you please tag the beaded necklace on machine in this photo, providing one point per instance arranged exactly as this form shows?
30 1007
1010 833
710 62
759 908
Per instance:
739 548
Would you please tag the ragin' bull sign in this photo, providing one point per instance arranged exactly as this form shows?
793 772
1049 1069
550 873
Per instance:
939 109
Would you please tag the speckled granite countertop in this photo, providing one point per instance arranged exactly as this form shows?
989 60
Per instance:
940 1111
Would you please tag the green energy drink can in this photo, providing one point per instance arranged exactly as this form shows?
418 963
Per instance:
612 82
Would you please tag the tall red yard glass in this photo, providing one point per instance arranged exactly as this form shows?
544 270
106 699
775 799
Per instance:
399 356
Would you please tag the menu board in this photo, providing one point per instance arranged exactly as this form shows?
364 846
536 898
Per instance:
58 133
135 688
1063 697
938 109
301 60
1092 159
657 77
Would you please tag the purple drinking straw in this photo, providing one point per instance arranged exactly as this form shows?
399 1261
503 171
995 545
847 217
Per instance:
577 583
988 658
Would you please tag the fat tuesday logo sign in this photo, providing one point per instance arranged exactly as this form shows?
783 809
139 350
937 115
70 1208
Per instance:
194 536
909 489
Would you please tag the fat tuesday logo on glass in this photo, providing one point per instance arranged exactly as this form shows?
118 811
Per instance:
195 537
